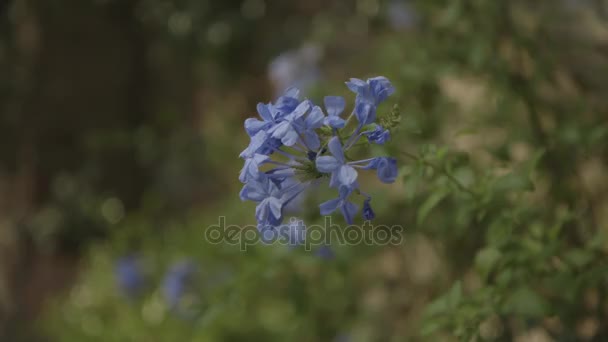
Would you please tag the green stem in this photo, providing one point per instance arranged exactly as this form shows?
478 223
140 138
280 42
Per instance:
442 171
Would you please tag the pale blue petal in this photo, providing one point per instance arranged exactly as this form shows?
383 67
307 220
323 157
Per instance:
330 206
275 206
335 147
312 140
365 113
334 122
261 211
291 137
280 130
252 126
334 105
333 180
349 210
264 112
344 191
292 92
253 191
347 175
301 109
356 85
315 118
327 164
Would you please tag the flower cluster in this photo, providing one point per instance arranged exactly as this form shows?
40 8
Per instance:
296 143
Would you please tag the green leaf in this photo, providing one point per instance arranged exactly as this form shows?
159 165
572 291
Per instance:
455 295
486 259
579 257
525 302
430 203
514 181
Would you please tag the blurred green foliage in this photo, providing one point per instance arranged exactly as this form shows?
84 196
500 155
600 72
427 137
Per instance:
502 147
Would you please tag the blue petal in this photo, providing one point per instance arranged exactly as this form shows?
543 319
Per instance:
368 213
245 174
264 111
292 92
315 118
335 147
378 135
262 210
291 137
283 106
312 140
344 191
334 105
381 87
327 164
347 175
252 126
256 142
334 122
356 85
280 130
365 113
275 205
253 191
301 109
387 170
333 180
349 210
330 206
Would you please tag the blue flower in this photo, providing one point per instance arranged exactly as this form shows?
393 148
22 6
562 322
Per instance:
370 94
176 282
287 130
379 135
289 151
307 128
334 105
342 173
347 208
386 168
325 252
269 117
129 275
270 197
271 114
368 213
286 103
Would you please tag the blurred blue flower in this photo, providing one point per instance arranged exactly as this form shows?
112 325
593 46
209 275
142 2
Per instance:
129 275
296 68
401 15
325 252
177 281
